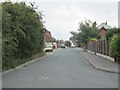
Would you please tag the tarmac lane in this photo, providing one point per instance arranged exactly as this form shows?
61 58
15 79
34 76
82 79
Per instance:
65 68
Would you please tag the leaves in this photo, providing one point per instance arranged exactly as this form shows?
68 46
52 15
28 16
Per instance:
115 46
23 32
111 33
86 32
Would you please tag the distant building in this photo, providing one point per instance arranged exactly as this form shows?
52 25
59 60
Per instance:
102 29
48 39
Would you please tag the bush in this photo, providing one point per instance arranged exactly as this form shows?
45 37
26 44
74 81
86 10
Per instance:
112 32
115 48
22 32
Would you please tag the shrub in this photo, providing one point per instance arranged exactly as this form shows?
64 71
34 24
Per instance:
22 32
115 48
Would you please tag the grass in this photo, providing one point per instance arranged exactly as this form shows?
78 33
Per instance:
17 62
22 61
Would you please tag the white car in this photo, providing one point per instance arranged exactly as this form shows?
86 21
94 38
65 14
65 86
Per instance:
73 46
48 48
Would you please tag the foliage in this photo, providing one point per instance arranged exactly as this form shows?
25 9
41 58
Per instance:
115 47
16 62
23 32
86 32
93 39
67 43
60 41
111 33
74 35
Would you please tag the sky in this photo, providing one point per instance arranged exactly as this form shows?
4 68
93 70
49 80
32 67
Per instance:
63 16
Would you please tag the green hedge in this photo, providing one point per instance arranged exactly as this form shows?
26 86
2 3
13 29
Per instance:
22 32
115 48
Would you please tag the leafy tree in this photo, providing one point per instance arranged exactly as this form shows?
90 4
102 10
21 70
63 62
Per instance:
60 42
111 33
23 32
9 44
114 36
115 48
86 32
74 37
67 43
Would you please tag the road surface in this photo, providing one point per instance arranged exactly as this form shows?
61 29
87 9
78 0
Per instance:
65 68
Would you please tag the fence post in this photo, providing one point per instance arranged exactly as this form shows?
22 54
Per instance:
104 46
99 46
95 47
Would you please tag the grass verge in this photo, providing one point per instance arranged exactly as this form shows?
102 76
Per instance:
16 62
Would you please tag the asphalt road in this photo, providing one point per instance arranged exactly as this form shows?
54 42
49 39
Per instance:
65 68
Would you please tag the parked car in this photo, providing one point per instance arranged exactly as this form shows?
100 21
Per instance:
48 48
73 46
62 46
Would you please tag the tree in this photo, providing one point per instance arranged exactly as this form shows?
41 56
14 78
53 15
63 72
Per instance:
86 32
111 33
115 48
74 37
23 32
68 43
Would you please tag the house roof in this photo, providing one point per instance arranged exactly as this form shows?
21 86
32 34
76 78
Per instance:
48 37
102 29
104 25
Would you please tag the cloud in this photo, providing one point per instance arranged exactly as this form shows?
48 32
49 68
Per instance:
62 17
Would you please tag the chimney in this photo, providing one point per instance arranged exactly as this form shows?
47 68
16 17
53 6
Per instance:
106 23
94 24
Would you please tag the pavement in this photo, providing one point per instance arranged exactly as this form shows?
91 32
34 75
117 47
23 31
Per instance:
100 63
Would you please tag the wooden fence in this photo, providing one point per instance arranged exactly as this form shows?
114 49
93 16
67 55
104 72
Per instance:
100 46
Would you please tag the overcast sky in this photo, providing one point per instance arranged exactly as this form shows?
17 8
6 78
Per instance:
63 16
